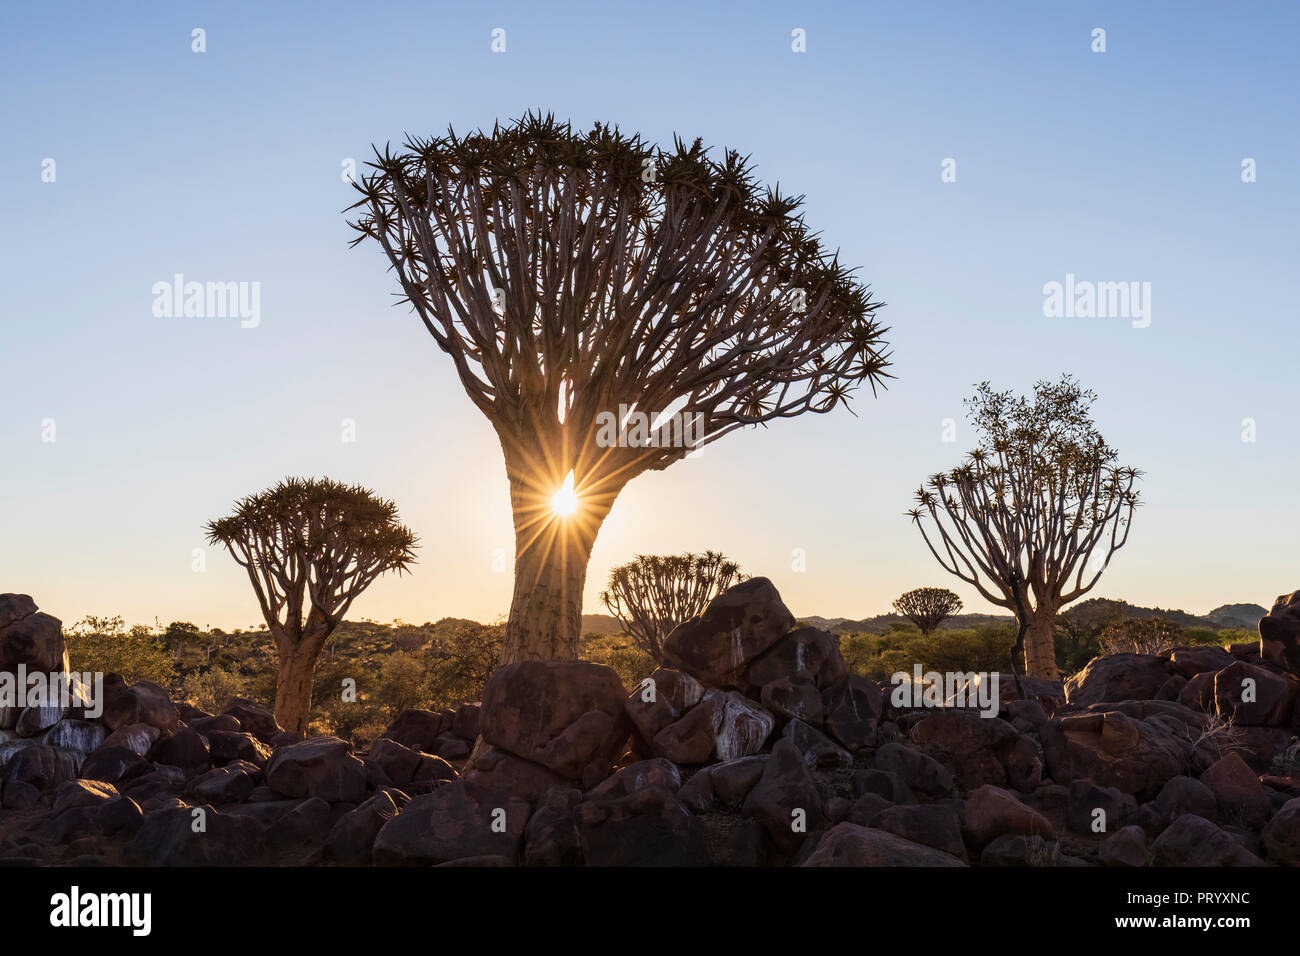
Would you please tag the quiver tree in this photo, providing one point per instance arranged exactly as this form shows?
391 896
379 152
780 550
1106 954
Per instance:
310 547
652 594
580 281
1033 515
927 608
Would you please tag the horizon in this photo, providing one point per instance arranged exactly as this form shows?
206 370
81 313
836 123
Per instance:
226 166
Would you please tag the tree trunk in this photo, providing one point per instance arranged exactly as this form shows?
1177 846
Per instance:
1040 644
546 611
551 551
293 689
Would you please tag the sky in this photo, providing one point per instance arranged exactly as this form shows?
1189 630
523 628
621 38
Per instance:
122 431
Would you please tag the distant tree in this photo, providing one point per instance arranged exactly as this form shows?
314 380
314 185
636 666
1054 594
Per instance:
310 547
609 306
1034 514
652 594
1148 635
927 608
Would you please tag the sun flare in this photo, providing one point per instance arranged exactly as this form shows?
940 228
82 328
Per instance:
565 501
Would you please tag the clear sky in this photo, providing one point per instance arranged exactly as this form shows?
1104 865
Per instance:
226 166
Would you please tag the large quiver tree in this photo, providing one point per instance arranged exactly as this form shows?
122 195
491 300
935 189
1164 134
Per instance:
573 277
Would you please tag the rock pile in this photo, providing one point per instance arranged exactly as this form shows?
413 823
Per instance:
752 744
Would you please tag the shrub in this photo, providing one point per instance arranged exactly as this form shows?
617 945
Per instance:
104 645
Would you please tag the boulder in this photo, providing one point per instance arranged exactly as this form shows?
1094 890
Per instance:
852 708
732 780
992 812
662 699
793 699
140 703
41 766
1093 809
883 783
255 720
1279 633
785 801
1190 661
185 749
646 828
137 737
847 844
1240 796
417 729
1184 795
1115 750
197 836
737 627
1193 841
318 767
1248 695
29 637
551 837
806 653
225 746
980 750
818 750
232 783
458 820
1127 846
1117 677
639 776
1281 838
566 716
465 724
352 838
918 770
500 769
930 825
77 737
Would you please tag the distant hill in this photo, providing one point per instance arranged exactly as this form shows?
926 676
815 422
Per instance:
1237 615
1092 613
600 624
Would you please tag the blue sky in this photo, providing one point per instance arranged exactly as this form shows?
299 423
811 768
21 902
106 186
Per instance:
225 166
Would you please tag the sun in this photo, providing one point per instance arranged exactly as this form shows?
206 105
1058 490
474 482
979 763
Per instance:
565 501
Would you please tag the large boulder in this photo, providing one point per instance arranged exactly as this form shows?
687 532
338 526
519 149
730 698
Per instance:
980 750
806 653
1282 835
317 767
459 820
417 729
28 636
662 699
500 769
852 706
1137 756
992 812
140 703
566 716
1248 695
649 827
724 725
1279 633
737 626
197 836
351 841
255 720
785 801
1238 794
847 844
1118 677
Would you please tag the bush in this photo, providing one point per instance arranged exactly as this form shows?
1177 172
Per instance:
211 689
880 656
104 645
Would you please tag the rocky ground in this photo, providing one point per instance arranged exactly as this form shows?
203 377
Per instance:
751 745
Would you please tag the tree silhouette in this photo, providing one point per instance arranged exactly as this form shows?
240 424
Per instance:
1033 515
580 282
310 546
652 594
927 608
